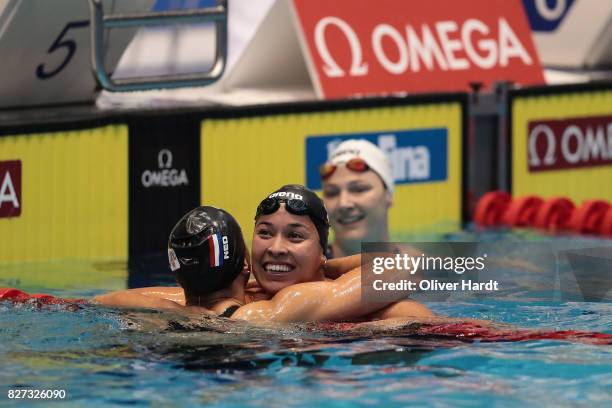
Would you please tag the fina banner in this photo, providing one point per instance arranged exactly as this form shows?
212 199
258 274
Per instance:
562 142
357 47
246 157
415 156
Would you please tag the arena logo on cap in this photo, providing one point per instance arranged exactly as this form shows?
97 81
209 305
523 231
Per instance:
415 156
10 188
287 194
571 143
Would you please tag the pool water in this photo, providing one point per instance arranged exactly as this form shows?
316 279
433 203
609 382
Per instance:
105 357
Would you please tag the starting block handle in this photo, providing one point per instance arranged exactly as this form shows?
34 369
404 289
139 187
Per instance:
99 22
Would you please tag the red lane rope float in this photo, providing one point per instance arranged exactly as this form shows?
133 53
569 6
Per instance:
589 217
17 296
470 332
522 211
491 208
606 224
13 294
555 214
466 331
463 331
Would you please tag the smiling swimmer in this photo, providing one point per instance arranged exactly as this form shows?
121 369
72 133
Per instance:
358 188
208 256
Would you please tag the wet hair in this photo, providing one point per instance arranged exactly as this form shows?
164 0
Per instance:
298 200
206 250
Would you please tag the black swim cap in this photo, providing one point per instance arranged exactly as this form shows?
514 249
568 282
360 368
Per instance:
206 250
298 200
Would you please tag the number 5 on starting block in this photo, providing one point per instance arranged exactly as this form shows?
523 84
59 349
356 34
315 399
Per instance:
45 50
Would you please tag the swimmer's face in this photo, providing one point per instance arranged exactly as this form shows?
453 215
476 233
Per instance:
286 250
358 204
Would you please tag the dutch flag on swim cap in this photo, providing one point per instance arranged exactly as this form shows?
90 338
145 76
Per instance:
215 246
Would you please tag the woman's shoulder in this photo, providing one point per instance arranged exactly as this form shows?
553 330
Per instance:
254 293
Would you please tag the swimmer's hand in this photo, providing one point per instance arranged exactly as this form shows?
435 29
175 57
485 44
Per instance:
334 268
253 285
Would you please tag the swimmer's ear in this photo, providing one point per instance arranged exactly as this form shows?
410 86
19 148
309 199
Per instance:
246 268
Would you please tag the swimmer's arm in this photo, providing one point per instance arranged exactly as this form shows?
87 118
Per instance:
133 299
334 268
403 309
173 293
314 301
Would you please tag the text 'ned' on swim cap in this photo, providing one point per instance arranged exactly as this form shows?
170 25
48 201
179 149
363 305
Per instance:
370 153
298 200
206 250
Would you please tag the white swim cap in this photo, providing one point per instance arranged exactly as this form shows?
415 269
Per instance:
370 153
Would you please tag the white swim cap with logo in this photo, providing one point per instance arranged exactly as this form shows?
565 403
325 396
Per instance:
370 153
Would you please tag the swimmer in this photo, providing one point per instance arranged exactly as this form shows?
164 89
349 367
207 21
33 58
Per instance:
208 255
289 239
291 231
358 191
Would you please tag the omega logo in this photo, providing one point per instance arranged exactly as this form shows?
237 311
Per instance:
165 176
164 159
574 143
425 47
549 157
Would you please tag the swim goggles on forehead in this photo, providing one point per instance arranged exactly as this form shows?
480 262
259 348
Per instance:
293 205
356 164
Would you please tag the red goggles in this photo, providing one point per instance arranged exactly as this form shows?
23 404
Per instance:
356 164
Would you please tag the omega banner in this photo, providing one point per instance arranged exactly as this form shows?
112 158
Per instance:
164 179
562 142
570 143
10 188
360 47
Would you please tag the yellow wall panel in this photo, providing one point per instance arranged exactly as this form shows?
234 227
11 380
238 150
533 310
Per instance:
74 195
245 158
577 184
